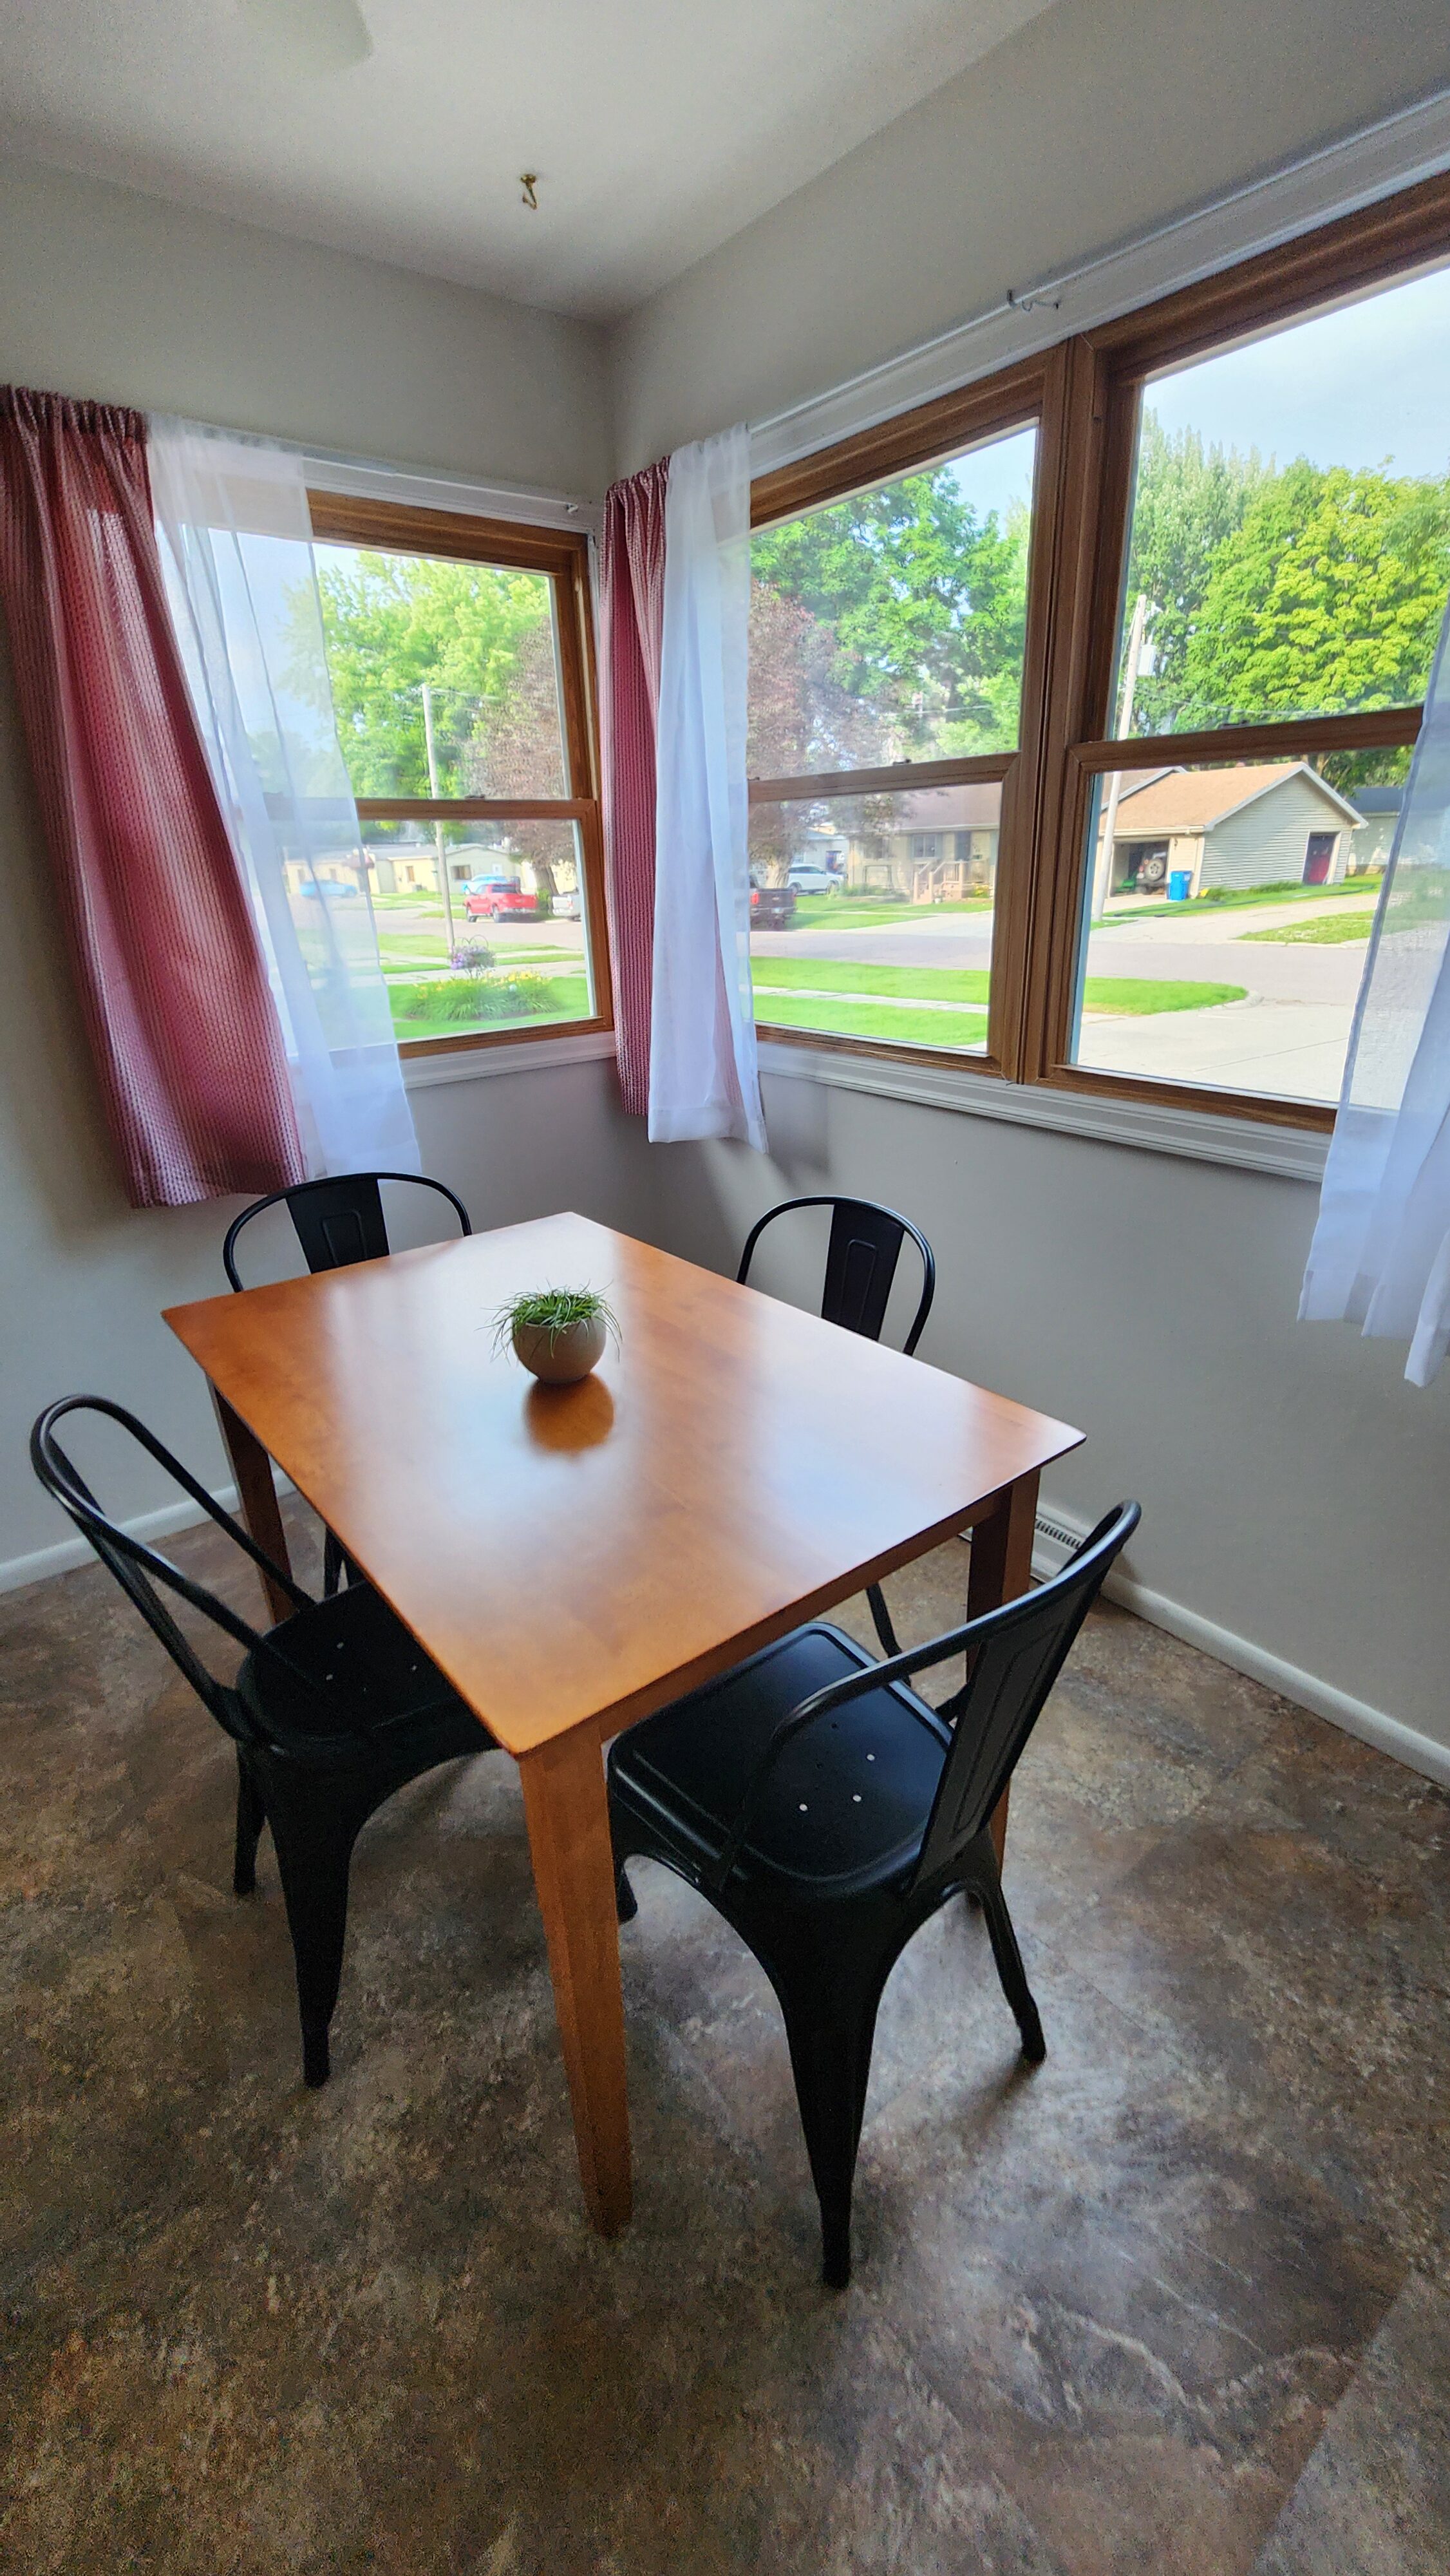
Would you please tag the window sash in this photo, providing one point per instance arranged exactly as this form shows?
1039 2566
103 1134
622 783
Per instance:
389 527
931 434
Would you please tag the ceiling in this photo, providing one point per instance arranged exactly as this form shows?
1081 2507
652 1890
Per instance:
657 129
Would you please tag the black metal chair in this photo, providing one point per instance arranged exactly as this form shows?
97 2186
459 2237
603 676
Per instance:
330 1711
337 1221
861 1260
827 1811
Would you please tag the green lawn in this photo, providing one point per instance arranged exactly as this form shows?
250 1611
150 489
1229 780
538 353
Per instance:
1239 899
873 1020
1135 997
1333 933
1127 995
838 975
400 949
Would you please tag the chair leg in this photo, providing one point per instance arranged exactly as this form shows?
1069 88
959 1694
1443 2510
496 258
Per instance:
1011 1971
314 1854
831 2060
333 1562
251 1817
626 1902
882 1617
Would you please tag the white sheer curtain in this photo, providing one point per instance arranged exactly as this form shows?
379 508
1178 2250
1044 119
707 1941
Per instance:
1381 1249
236 544
702 1077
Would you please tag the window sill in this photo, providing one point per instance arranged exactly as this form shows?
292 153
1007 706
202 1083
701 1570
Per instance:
1289 1153
531 1055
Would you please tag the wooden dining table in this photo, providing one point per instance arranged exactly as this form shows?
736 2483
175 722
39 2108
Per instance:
573 1558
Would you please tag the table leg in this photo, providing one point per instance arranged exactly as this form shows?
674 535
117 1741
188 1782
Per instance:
567 1811
258 1497
1001 1569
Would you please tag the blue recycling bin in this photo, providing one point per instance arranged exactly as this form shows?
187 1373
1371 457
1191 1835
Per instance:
1179 881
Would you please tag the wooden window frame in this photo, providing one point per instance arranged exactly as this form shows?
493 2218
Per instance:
390 527
1084 395
1016 399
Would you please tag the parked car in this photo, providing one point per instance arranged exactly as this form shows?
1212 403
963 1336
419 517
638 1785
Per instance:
501 900
771 907
569 906
330 890
808 877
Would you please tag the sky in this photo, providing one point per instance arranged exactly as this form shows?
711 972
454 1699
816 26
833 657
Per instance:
992 478
1353 387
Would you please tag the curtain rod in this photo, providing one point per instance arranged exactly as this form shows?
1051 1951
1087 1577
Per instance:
1046 293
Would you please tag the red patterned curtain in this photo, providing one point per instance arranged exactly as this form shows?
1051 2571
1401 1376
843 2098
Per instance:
172 983
632 616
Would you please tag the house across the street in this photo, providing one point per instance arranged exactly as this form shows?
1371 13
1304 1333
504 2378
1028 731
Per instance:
1258 823
933 844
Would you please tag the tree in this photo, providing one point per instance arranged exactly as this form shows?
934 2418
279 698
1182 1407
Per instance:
1329 595
803 718
516 749
920 610
1298 590
392 622
1188 501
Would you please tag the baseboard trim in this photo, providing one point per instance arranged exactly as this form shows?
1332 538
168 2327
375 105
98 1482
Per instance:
1059 1531
68 1553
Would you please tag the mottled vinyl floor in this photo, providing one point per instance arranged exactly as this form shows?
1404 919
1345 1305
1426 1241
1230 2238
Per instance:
1176 2301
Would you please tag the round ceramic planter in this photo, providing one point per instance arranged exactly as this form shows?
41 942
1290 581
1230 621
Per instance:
559 1358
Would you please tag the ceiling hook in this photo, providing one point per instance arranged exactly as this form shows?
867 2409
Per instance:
528 181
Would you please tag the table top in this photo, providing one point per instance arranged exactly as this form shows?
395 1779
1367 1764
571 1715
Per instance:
584 1554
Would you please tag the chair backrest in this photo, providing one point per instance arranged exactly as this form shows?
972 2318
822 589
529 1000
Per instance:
139 1568
1014 1656
861 1259
339 1220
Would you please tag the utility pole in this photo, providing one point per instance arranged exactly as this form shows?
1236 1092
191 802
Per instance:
438 828
1103 872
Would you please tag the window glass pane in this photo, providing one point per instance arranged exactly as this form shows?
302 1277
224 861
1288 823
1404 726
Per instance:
1229 929
480 926
890 626
871 917
1290 542
443 675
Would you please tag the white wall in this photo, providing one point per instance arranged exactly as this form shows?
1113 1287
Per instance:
1094 123
123 298
1296 1492
116 296
1294 1489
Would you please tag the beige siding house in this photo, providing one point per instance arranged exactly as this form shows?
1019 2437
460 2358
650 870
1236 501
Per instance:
1256 824
931 847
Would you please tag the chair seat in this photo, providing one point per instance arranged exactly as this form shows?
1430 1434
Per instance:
847 1803
385 1685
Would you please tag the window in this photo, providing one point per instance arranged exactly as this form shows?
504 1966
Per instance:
458 653
1287 567
1117 769
888 652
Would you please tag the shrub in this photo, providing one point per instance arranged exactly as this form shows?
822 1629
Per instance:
478 997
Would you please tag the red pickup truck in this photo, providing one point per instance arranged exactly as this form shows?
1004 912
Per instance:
500 899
